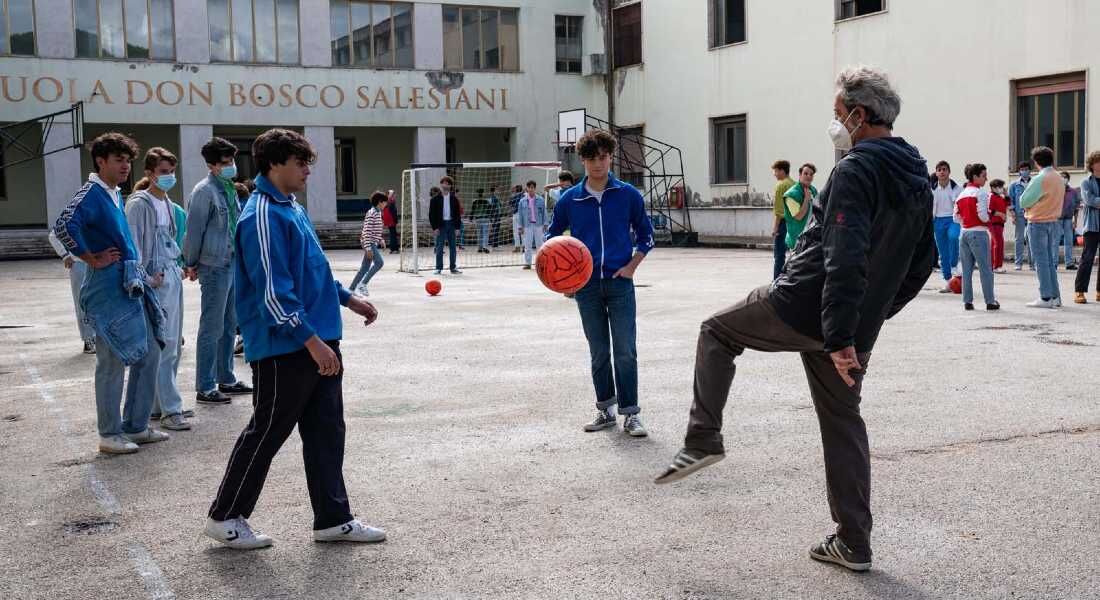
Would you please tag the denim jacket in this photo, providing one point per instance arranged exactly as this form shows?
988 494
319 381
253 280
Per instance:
1090 195
525 215
206 240
116 301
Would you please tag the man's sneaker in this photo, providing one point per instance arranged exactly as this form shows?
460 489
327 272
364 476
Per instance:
1071 267
149 436
116 444
352 531
633 426
993 306
175 423
968 306
456 271
187 414
438 271
89 347
834 550
1019 267
212 397
236 533
946 289
605 418
1056 303
235 389
686 462
1040 303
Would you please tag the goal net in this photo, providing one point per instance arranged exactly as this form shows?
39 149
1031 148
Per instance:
489 234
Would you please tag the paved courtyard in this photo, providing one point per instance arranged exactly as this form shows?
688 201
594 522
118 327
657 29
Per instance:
464 442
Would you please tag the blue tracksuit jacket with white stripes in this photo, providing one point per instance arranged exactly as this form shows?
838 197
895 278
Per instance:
285 291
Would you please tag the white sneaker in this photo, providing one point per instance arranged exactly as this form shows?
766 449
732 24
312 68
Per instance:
1056 303
236 533
116 444
1040 304
946 289
438 272
352 531
149 436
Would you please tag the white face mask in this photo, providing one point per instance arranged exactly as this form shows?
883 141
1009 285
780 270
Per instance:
838 132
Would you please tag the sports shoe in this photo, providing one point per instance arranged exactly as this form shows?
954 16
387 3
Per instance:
456 272
632 425
1019 268
175 423
686 462
1056 303
89 347
156 416
236 533
834 550
149 436
946 289
235 389
968 306
1079 298
116 444
1071 267
212 397
438 271
352 531
993 306
1040 303
604 419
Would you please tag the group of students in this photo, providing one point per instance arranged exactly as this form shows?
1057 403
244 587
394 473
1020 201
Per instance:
1046 210
154 246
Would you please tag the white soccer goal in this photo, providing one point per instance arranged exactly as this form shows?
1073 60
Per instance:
487 237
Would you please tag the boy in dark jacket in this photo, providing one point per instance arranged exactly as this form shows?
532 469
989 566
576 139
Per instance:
289 304
867 252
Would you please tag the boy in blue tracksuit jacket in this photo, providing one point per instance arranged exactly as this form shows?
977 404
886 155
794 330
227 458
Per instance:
289 308
609 216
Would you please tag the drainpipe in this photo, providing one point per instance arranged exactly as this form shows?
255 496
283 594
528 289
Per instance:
608 40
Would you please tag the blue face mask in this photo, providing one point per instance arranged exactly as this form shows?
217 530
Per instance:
229 172
1024 173
166 182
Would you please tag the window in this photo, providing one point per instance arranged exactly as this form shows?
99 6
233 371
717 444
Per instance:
849 9
567 47
627 27
727 22
480 39
253 31
131 29
1051 112
16 28
371 34
730 150
345 166
630 159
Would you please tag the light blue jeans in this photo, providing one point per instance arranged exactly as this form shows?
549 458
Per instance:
1022 245
1067 241
368 268
974 251
217 329
170 293
140 390
483 233
1043 238
76 278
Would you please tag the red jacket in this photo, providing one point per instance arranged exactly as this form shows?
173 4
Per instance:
997 204
389 218
968 207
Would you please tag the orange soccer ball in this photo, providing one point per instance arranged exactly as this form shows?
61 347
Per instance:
956 284
433 287
564 264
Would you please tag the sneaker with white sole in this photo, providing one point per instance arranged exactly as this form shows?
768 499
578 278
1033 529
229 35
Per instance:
352 531
237 534
946 289
1040 303
686 462
149 436
1056 303
116 444
632 425
834 550
175 423
605 418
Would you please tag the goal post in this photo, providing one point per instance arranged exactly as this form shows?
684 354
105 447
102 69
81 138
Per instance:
487 237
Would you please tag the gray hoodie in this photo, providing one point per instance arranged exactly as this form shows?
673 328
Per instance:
141 214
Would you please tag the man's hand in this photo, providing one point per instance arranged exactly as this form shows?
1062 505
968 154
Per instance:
68 261
364 309
191 273
845 361
327 362
102 259
155 281
626 272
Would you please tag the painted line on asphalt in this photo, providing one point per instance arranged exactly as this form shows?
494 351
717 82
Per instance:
143 562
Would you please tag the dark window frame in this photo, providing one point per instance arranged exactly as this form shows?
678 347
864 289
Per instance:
620 57
717 126
577 22
1028 96
502 60
342 169
717 26
843 6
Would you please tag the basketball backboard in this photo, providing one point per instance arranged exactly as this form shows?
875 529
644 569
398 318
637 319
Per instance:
571 126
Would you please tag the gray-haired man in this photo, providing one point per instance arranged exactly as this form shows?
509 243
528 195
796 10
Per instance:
867 252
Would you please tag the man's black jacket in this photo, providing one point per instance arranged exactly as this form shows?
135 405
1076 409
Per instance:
435 211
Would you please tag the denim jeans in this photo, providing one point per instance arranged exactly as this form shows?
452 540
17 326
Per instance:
446 234
76 278
1021 242
1067 241
974 251
1044 250
779 250
140 390
947 244
608 312
217 328
170 294
533 237
395 241
483 233
369 267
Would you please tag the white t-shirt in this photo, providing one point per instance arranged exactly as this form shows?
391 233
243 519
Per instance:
598 195
164 217
446 207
